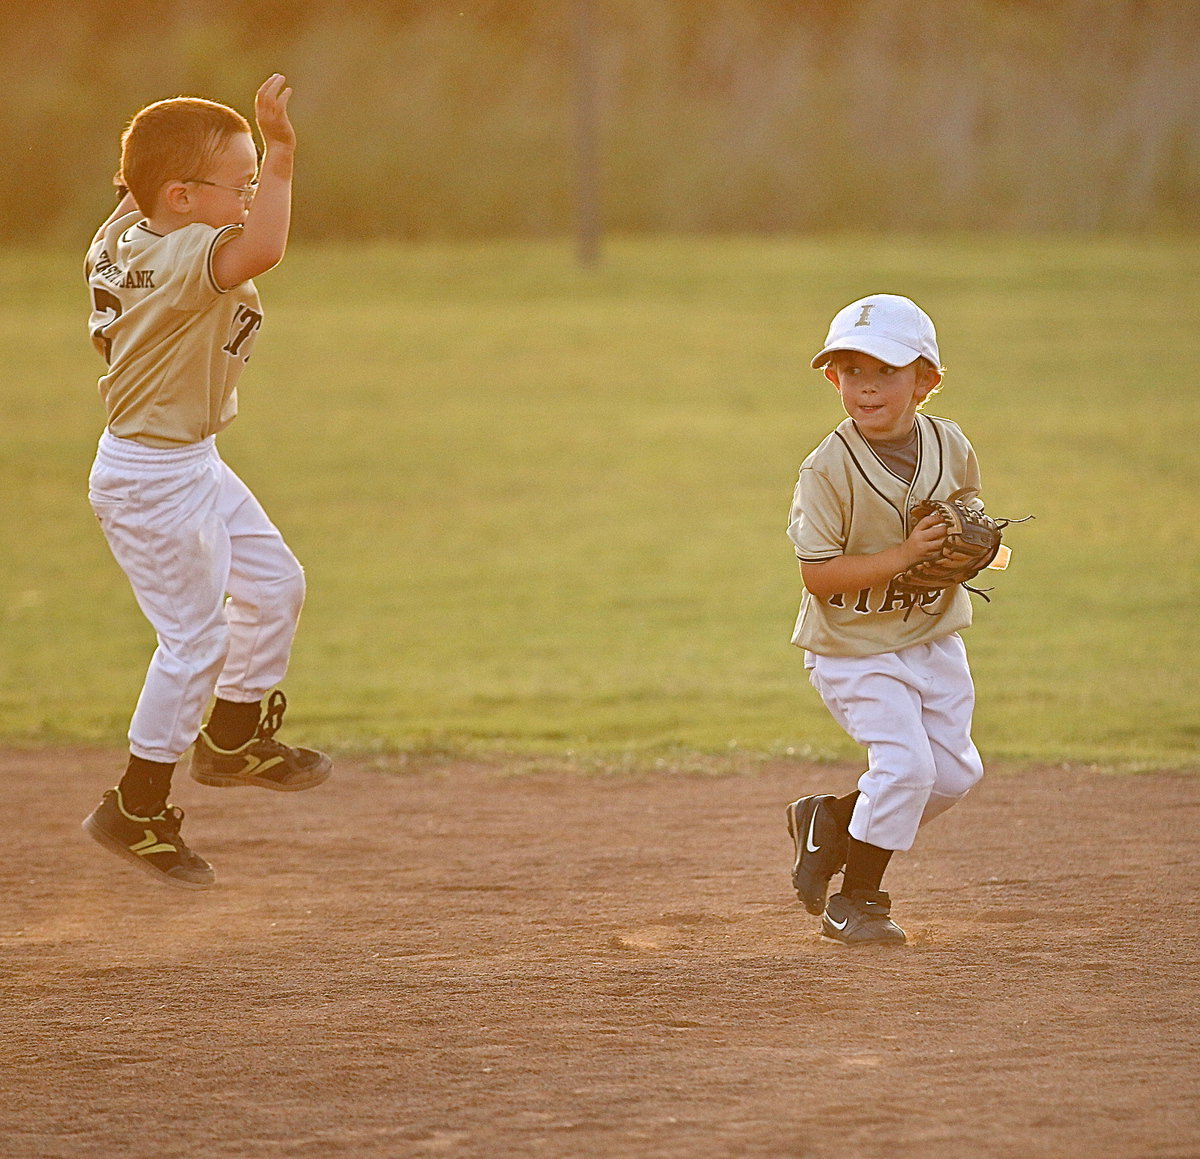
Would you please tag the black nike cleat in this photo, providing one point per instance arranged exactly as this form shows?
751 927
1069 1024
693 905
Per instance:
820 849
862 919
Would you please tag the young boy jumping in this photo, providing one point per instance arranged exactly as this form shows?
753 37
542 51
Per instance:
175 315
892 674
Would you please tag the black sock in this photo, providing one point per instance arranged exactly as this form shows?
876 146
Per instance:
232 724
864 867
842 808
145 786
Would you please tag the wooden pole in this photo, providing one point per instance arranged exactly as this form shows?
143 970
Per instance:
587 135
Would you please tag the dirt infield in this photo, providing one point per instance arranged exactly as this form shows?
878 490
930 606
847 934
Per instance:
454 961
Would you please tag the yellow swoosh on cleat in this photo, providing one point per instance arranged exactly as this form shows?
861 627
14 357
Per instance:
255 765
148 845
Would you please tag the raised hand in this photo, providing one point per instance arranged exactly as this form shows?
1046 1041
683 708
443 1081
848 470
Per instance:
270 111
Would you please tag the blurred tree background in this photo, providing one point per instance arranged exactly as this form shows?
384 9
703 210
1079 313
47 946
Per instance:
423 119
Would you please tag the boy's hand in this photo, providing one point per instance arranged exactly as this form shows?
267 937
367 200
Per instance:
925 541
270 111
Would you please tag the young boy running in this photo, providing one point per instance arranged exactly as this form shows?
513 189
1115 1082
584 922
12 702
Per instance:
892 674
175 315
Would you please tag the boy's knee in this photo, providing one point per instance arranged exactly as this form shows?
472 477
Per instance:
281 585
197 654
291 588
961 777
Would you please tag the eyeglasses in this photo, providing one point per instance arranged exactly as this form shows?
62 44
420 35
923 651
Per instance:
247 191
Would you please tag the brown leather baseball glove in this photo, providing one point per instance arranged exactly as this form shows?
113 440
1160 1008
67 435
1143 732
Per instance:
971 543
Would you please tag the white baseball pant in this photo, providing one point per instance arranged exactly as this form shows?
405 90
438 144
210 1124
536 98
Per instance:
188 533
911 710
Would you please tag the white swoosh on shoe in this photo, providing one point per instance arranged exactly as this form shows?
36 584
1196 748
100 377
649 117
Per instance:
837 925
808 841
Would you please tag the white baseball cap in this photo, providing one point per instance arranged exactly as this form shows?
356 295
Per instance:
886 326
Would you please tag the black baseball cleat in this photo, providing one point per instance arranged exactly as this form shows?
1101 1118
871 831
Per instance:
151 843
262 760
820 849
862 919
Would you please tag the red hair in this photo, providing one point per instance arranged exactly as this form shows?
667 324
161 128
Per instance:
173 140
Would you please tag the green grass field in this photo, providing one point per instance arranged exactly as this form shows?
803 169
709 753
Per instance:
542 511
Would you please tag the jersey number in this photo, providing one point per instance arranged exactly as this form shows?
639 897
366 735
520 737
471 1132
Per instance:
104 300
245 322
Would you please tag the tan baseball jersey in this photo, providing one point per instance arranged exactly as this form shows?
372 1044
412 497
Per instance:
848 501
174 341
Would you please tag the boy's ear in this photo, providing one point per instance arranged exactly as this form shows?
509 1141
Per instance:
930 379
175 197
831 374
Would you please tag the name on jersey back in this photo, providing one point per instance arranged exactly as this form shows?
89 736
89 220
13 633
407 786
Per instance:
123 279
